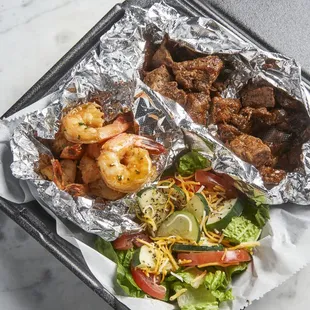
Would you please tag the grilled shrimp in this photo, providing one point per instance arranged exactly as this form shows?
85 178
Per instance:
125 163
93 150
84 124
100 189
64 172
65 149
89 169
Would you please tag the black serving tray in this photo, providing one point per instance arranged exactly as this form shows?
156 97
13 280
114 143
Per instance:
31 216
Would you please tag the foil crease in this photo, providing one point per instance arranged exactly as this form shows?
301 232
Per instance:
110 74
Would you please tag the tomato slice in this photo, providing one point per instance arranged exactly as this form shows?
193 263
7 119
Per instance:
148 285
209 180
127 241
216 257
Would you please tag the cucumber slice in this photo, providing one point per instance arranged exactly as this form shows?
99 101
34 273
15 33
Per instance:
178 196
144 257
198 205
221 219
182 224
196 248
152 202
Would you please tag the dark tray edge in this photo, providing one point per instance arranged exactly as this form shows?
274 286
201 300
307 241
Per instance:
49 240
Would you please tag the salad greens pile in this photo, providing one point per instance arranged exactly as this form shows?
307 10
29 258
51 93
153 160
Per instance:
190 162
123 260
192 219
204 290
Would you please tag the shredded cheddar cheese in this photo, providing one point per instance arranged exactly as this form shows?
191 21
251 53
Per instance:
244 245
178 294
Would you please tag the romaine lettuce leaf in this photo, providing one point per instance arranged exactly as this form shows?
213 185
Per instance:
241 230
123 273
232 270
190 162
106 249
198 299
194 277
223 296
216 281
257 214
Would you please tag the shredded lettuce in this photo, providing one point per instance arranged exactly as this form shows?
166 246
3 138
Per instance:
123 273
241 230
190 162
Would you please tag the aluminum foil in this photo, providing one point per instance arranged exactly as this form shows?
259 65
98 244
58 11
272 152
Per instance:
111 74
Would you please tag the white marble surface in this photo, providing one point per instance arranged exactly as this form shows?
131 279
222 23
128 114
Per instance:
34 34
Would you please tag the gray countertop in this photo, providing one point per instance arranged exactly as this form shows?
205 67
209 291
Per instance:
282 24
43 31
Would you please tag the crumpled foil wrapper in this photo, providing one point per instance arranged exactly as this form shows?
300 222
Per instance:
111 74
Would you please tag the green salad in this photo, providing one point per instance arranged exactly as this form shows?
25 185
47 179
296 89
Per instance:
197 233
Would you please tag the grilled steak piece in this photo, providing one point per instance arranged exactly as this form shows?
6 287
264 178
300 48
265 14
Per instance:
243 120
270 118
252 150
194 80
258 97
224 109
162 56
160 80
305 135
156 78
290 160
197 106
227 132
198 74
277 140
287 102
295 122
272 176
172 91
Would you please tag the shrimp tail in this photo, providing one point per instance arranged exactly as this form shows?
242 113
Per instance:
152 146
120 125
73 152
58 174
75 189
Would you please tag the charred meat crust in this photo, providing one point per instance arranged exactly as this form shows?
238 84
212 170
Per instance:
265 127
251 150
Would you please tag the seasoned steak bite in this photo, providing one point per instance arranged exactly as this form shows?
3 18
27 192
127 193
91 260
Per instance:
195 80
252 150
210 64
224 109
277 140
156 78
270 118
162 56
243 120
287 102
258 97
160 80
172 91
197 106
272 176
198 74
227 132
